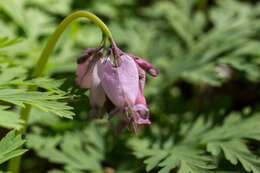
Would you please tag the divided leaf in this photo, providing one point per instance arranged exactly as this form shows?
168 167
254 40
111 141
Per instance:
229 138
188 155
78 151
234 127
12 79
9 147
189 159
45 101
236 151
10 119
185 158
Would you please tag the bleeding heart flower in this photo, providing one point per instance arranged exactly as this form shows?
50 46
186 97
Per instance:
115 88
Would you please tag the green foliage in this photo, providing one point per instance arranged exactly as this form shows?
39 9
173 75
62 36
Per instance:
10 119
11 76
234 127
189 153
46 101
236 151
229 139
79 150
186 158
10 146
228 42
204 105
5 42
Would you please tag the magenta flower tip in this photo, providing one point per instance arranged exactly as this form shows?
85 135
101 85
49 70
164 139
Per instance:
153 71
145 65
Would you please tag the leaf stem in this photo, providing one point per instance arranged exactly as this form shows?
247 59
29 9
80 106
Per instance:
14 164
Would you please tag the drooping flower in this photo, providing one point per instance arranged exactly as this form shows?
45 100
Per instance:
116 87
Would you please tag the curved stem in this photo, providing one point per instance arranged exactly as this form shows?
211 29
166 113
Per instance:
54 38
14 164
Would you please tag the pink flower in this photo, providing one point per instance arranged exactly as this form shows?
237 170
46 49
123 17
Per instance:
115 88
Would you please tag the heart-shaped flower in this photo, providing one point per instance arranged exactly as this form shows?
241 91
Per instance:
116 87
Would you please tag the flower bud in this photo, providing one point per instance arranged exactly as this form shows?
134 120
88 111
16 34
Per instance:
149 68
141 113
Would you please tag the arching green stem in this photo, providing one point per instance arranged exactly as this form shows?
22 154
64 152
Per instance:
14 164
54 38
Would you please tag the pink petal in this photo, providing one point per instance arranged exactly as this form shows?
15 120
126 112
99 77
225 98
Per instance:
84 75
120 83
140 99
86 63
141 74
97 94
146 66
141 113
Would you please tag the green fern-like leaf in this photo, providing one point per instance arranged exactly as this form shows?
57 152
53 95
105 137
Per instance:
5 42
43 100
45 83
9 146
78 151
230 137
12 78
236 151
10 119
191 160
248 128
11 74
185 158
189 155
196 55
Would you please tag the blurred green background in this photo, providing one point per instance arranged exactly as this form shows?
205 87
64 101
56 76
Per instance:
208 56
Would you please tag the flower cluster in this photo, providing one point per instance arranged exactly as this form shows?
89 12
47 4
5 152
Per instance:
116 87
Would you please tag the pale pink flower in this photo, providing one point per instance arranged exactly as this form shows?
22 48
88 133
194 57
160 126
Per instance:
115 88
